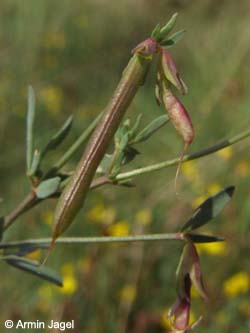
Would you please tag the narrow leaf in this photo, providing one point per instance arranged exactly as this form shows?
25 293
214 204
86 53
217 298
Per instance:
105 163
47 187
151 128
174 39
44 273
209 209
197 238
30 124
35 162
156 31
58 138
167 28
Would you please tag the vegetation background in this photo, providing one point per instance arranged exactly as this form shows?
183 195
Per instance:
73 53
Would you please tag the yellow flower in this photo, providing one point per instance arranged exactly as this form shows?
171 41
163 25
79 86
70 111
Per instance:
69 285
69 280
225 153
144 217
242 169
214 249
34 255
100 214
52 97
128 293
213 188
236 284
120 228
198 201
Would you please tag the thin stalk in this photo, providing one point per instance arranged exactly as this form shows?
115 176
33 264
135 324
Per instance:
75 146
188 157
26 204
91 240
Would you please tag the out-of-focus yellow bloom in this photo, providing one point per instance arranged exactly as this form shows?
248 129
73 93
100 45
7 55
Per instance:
54 39
244 307
69 280
34 255
237 284
69 285
214 249
196 202
191 171
213 188
144 216
225 153
242 168
120 228
52 98
128 293
47 217
100 214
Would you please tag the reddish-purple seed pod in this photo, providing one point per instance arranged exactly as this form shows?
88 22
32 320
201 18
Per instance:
181 121
170 71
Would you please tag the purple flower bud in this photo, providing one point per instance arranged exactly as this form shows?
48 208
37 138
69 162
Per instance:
148 47
170 71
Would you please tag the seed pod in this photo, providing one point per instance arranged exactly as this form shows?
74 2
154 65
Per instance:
180 119
171 73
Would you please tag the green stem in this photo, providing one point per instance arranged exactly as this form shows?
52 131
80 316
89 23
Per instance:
88 240
75 146
188 157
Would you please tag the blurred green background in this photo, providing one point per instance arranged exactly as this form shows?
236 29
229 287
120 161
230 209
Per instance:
73 53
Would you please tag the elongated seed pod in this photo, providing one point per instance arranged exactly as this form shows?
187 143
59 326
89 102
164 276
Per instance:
180 119
72 198
171 73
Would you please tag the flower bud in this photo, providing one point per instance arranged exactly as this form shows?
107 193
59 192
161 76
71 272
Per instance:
170 71
148 47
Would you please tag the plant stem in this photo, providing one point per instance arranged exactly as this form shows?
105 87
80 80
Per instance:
31 200
75 146
188 157
26 204
88 240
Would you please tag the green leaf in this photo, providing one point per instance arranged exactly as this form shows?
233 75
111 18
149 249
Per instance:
174 39
44 273
58 138
30 127
167 28
209 209
35 162
47 187
197 238
105 163
151 128
132 132
155 33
